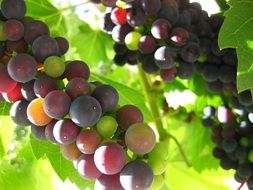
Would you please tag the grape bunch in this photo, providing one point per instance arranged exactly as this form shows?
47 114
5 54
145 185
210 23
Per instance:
232 133
161 35
106 142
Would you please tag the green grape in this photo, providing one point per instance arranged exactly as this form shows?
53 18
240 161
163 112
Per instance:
244 141
54 66
107 126
160 151
250 156
158 166
157 182
2 36
132 40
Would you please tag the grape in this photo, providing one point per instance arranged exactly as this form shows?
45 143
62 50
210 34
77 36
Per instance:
49 131
250 156
228 164
22 67
159 151
224 114
38 132
147 44
27 90
136 17
44 85
78 87
216 50
118 16
205 44
119 33
19 46
54 66
168 12
110 158
63 45
214 87
136 175
18 113
190 52
209 111
160 28
106 126
65 131
133 113
120 49
210 72
120 60
35 29
244 170
85 111
13 30
36 113
8 84
202 29
158 182
13 9
219 153
77 69
151 7
88 141
87 168
107 96
148 64
140 138
179 36
70 151
106 23
168 75
207 121
56 104
13 95
43 47
157 166
245 98
184 20
109 3
241 154
185 70
108 182
228 132
132 40
229 145
164 57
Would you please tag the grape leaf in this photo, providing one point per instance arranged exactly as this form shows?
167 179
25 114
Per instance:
64 168
236 32
127 96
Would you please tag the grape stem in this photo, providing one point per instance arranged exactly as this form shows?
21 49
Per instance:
149 96
242 184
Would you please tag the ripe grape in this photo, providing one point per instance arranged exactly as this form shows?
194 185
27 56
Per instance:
169 12
85 111
77 69
245 98
147 44
160 28
27 91
56 104
106 23
151 7
78 87
190 52
118 16
18 113
43 47
108 182
44 85
185 70
87 168
22 67
119 32
36 113
13 9
8 84
13 95
70 151
136 17
168 75
107 96
210 72
148 64
49 131
65 131
63 45
179 36
38 132
109 3
140 138
136 175
88 141
109 158
19 46
13 30
164 57
106 126
54 66
133 113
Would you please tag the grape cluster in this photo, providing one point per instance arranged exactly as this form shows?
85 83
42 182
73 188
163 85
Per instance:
106 142
232 134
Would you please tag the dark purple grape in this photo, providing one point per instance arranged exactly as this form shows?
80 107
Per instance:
228 164
85 111
77 69
184 20
44 85
27 91
179 36
227 74
49 132
216 50
120 60
229 145
119 33
219 153
185 70
190 52
147 44
8 84
13 9
205 46
13 30
120 49
164 57
215 87
245 170
203 29
22 67
78 87
210 72
109 3
56 104
63 44
35 29
43 47
65 131
168 12
38 132
160 28
19 46
136 175
136 17
18 113
148 64
151 7
106 23
107 96
245 98
108 182
168 75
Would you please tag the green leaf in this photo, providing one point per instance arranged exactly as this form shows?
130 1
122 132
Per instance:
236 32
5 108
64 168
127 96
